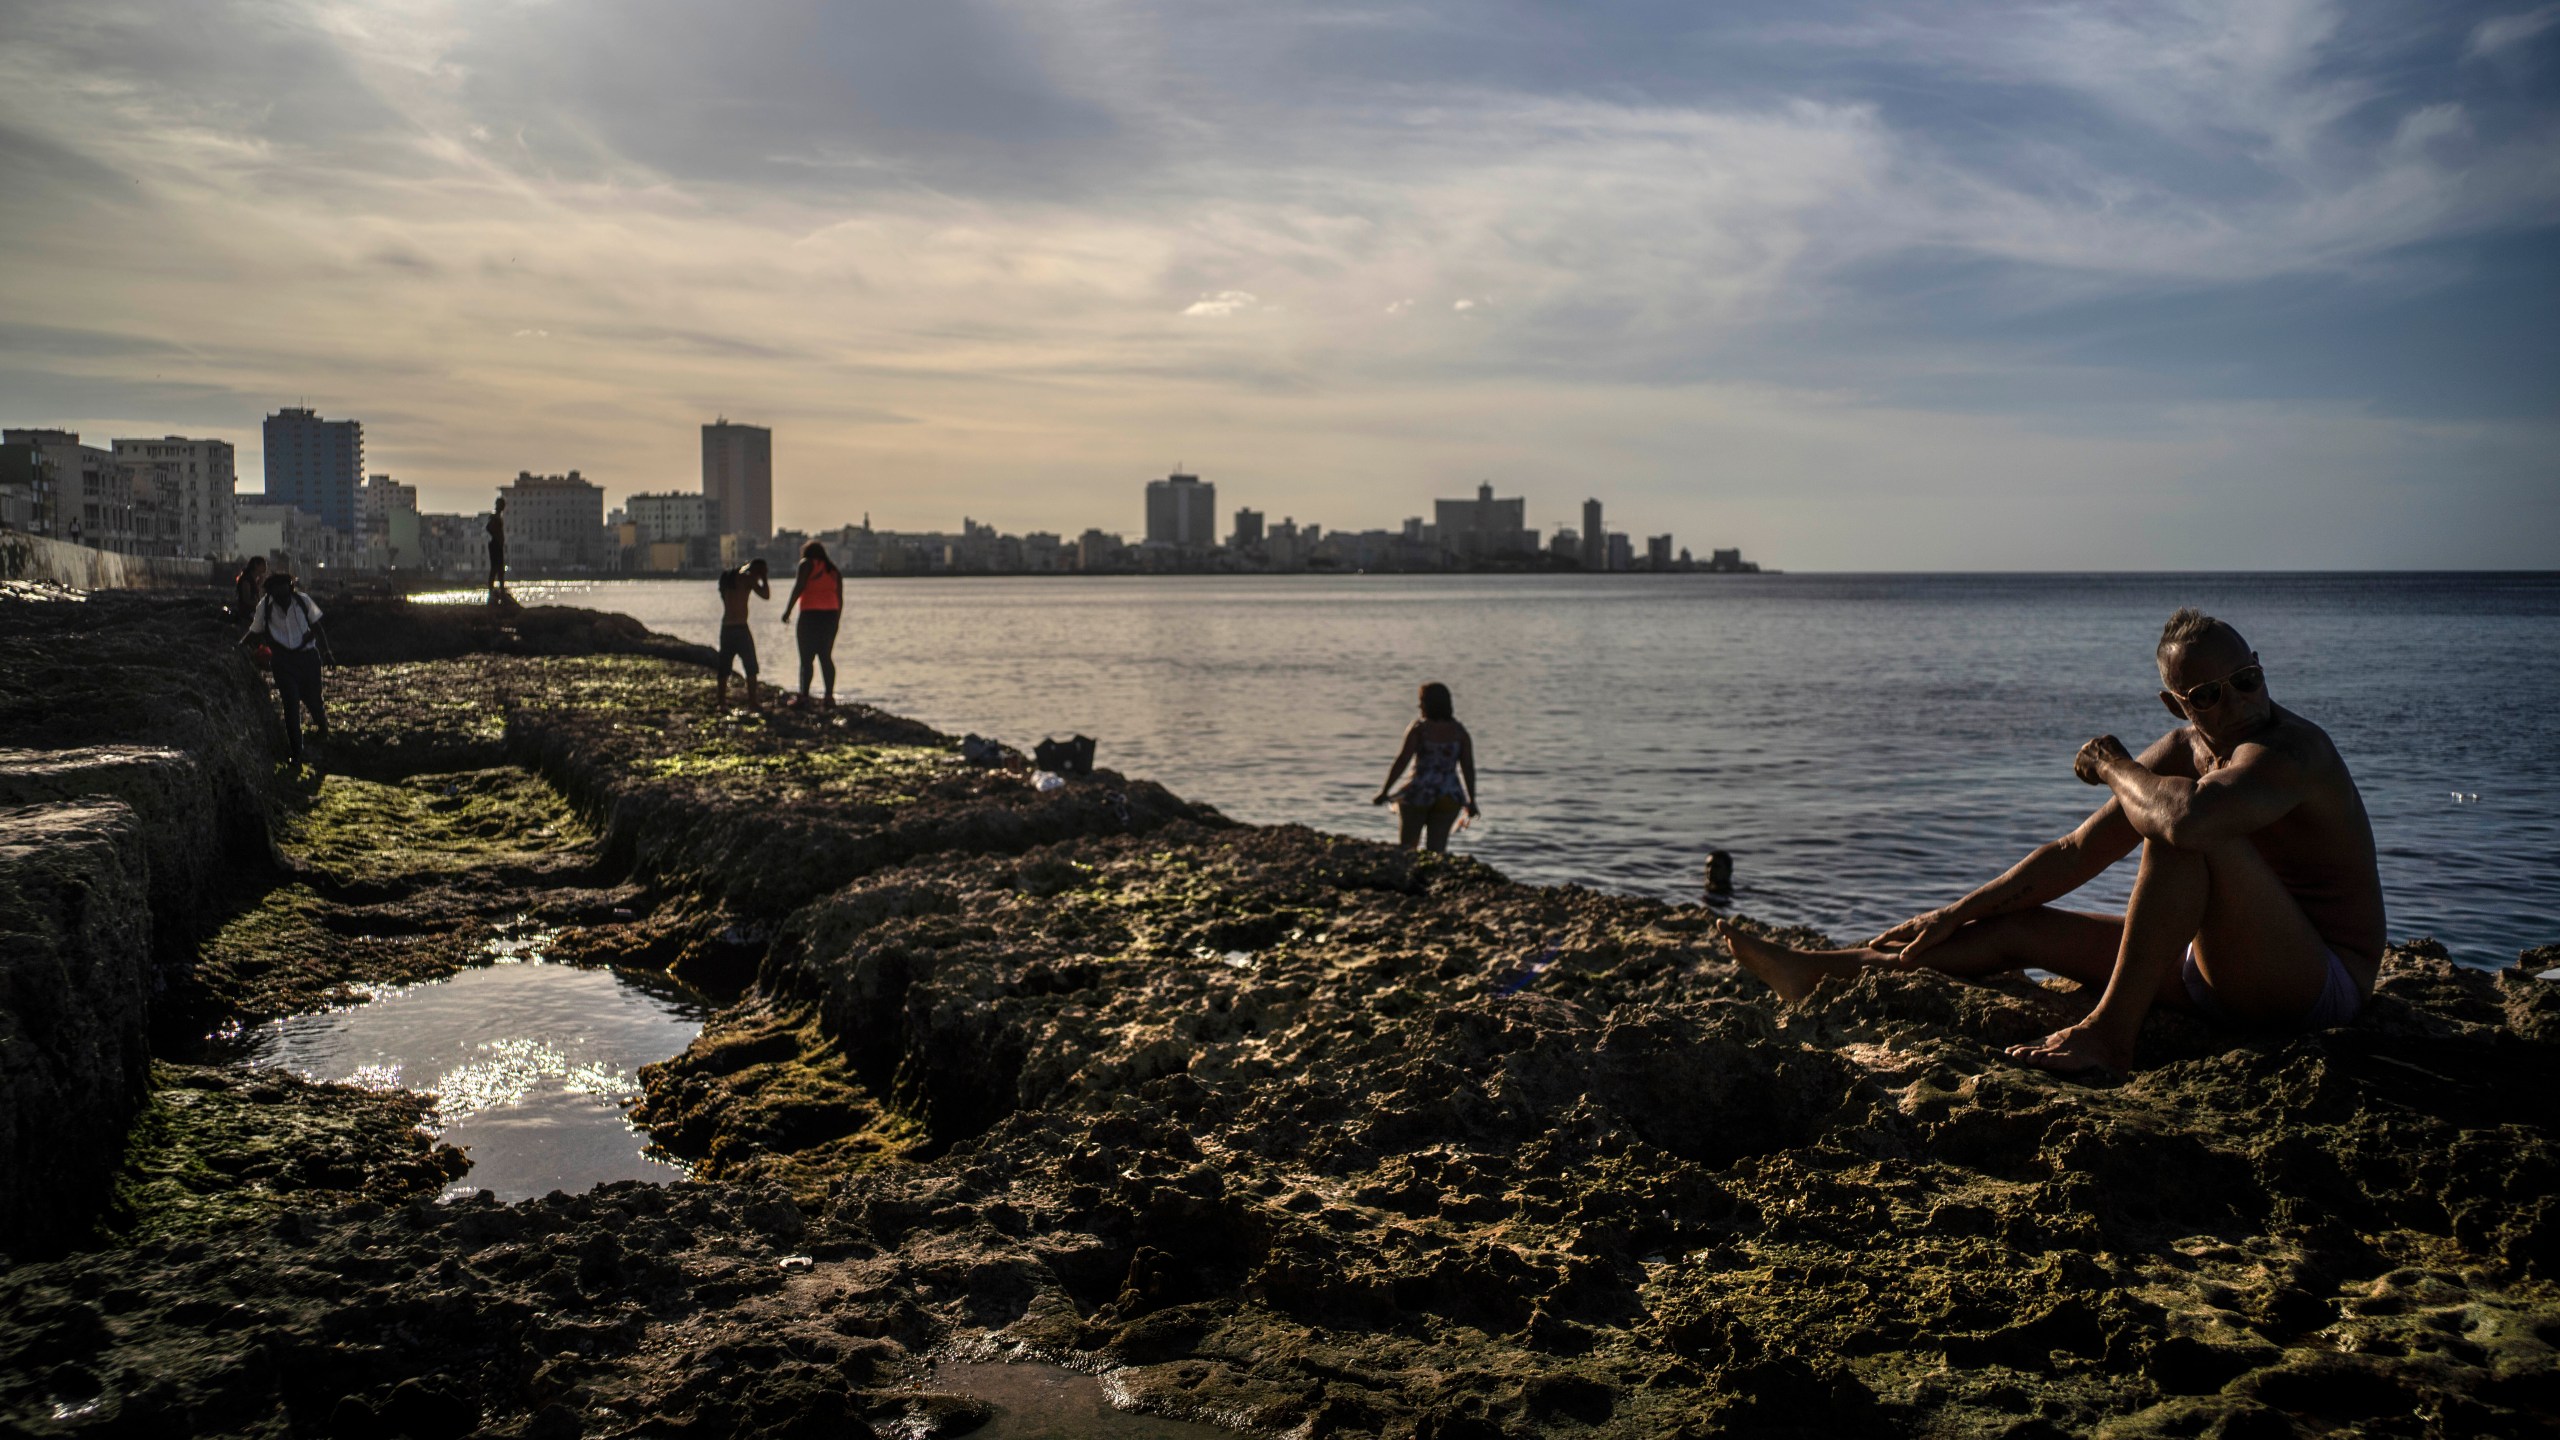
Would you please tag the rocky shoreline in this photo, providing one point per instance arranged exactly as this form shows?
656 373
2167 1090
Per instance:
1291 1133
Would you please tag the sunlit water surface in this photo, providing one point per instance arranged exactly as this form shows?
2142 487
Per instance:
1866 746
530 1063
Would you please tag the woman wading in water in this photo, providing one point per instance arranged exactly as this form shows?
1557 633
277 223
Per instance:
819 592
1443 758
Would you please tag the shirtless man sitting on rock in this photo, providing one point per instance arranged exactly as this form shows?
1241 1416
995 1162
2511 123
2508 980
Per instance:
2257 903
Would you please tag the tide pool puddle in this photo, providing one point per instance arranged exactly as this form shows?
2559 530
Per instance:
1051 1402
530 1062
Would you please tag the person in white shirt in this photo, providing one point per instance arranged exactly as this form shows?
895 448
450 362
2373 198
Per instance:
288 623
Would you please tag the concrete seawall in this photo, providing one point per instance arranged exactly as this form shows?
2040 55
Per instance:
34 558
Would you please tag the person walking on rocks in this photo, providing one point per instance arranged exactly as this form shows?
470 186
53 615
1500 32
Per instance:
246 587
819 592
498 551
1443 757
288 623
737 641
2258 902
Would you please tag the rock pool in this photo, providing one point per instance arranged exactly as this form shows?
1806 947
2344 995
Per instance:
530 1061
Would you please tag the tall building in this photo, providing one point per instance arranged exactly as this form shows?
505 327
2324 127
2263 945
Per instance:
1484 527
315 465
1248 530
737 478
672 516
1595 538
1182 512
193 482
92 495
26 489
1621 554
554 522
1657 552
387 522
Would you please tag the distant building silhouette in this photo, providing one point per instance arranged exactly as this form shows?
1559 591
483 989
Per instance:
673 517
86 497
1595 538
1182 512
388 524
1483 528
554 522
315 465
1657 552
1248 530
737 478
193 483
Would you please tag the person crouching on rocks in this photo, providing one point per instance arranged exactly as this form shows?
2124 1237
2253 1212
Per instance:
737 588
819 592
1443 757
287 622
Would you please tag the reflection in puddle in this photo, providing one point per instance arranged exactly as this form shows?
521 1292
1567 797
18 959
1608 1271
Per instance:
1051 1402
530 1063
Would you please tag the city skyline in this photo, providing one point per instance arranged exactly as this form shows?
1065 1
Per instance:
1853 285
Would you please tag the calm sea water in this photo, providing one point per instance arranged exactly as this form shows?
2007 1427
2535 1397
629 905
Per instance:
1866 746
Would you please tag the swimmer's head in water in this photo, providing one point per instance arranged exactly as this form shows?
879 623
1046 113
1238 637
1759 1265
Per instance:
1436 704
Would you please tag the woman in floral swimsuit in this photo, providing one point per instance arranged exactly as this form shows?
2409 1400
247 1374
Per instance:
1443 758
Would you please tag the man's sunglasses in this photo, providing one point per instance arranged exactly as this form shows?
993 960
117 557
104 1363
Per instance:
2248 680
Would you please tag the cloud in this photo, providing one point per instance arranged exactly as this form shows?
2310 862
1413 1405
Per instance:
1222 304
2502 31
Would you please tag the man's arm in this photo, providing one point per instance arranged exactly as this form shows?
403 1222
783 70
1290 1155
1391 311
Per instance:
2049 872
2259 787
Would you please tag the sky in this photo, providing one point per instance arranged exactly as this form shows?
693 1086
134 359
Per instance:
1926 284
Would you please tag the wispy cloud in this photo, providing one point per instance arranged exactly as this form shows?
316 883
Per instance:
1224 303
2503 31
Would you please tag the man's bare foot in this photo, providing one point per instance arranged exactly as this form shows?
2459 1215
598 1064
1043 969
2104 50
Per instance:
2074 1054
1791 973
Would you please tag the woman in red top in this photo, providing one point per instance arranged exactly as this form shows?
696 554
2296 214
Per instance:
819 594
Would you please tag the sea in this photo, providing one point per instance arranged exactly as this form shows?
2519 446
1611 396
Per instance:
1864 746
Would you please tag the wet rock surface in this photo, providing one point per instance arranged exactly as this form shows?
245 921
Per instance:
133 798
1297 1135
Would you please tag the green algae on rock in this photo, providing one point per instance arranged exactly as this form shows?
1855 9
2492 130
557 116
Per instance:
214 1149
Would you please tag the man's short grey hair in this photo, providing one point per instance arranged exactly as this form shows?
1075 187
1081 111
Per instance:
2187 627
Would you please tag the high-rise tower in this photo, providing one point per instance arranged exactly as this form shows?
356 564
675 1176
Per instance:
315 465
1182 512
1595 538
737 478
